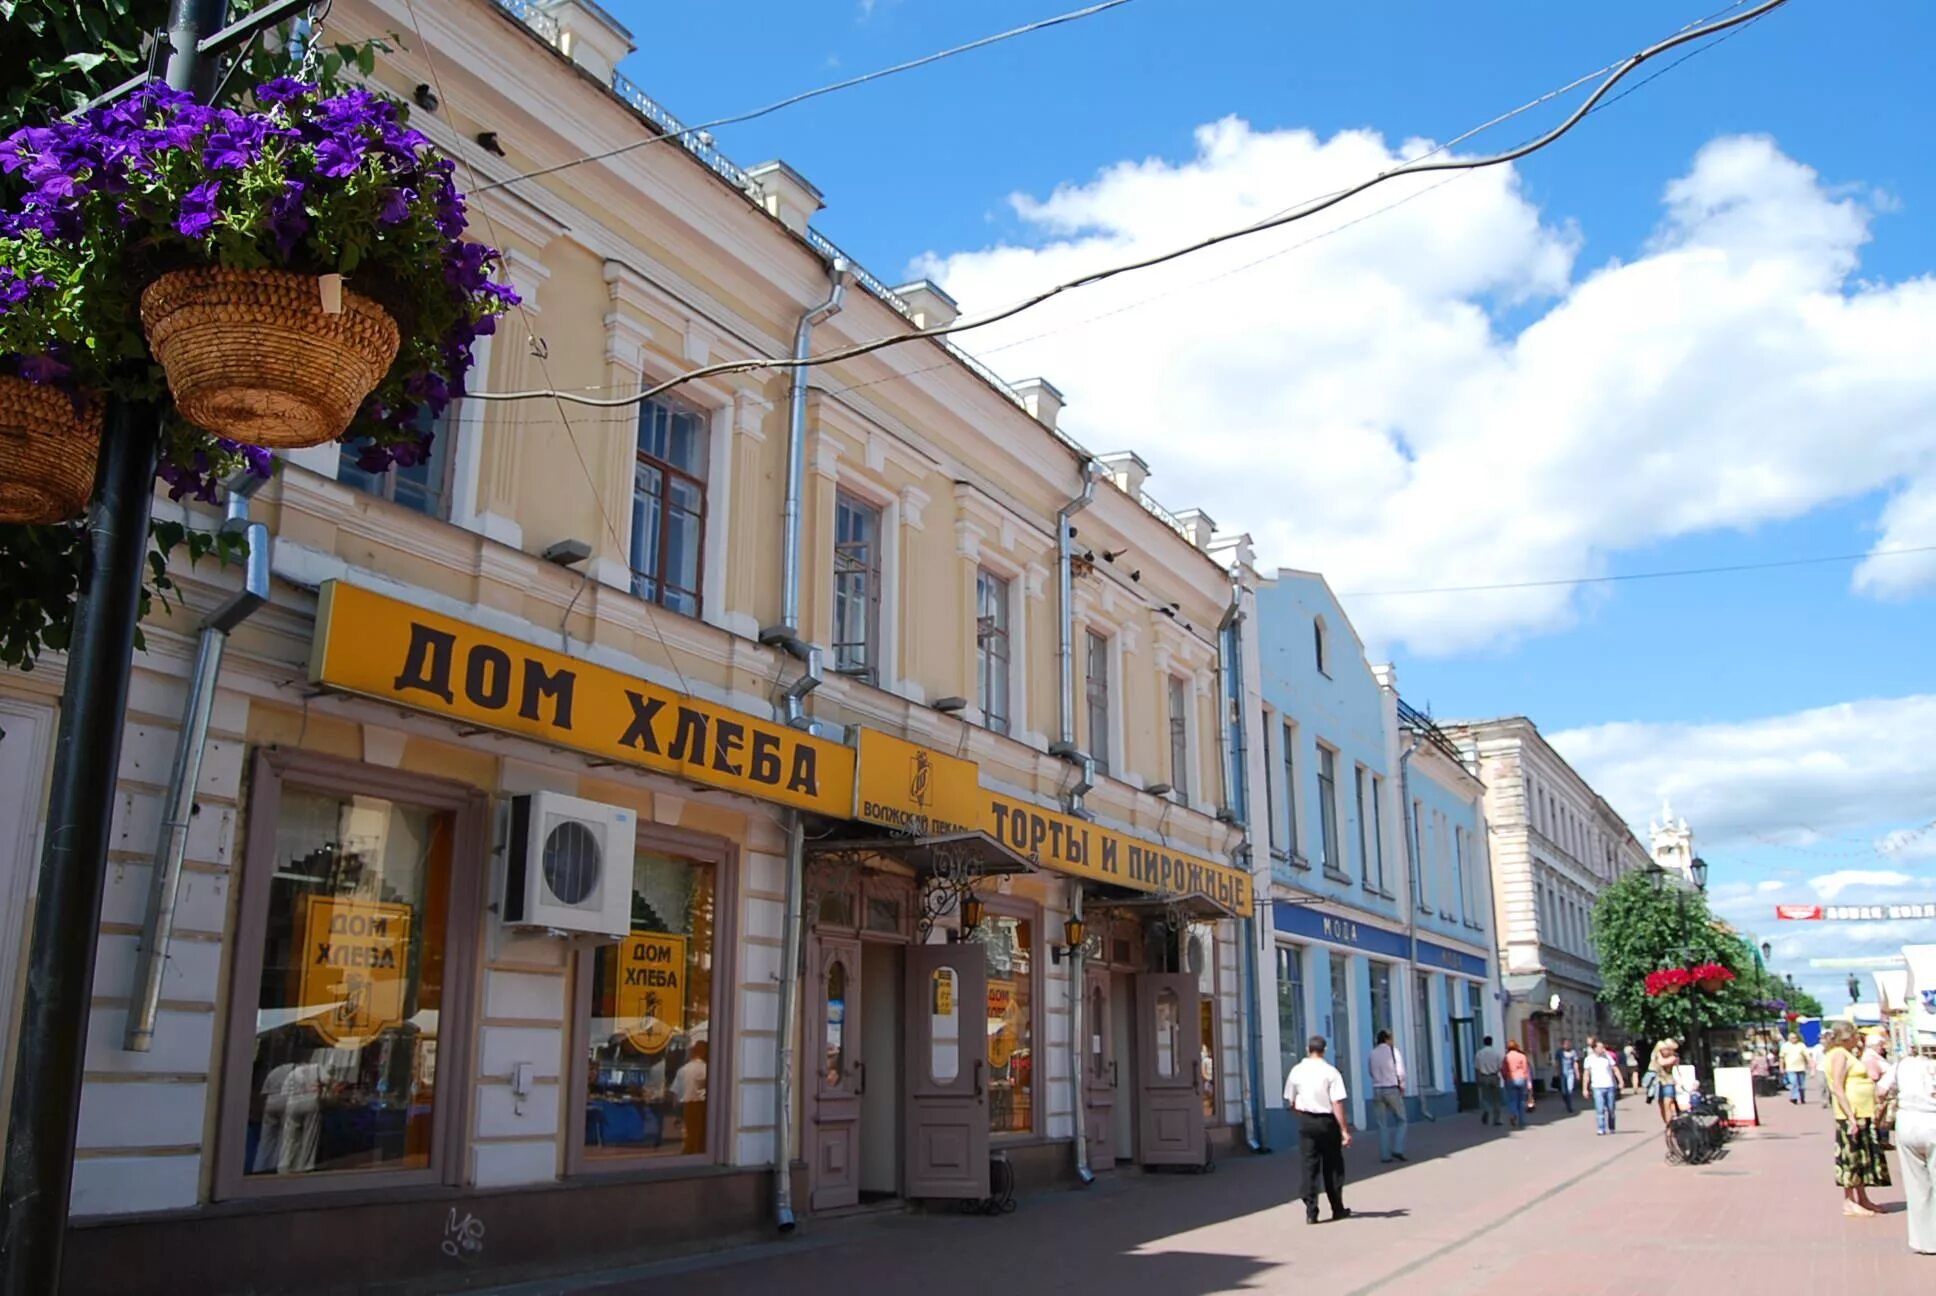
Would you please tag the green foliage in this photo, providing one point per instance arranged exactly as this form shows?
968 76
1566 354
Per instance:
58 55
1637 931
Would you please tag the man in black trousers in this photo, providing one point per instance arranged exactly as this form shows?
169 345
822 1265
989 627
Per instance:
1314 1091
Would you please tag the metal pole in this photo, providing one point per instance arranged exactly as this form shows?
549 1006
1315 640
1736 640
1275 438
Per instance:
67 910
52 1051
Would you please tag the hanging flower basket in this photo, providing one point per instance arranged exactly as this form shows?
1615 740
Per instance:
1710 977
252 355
47 452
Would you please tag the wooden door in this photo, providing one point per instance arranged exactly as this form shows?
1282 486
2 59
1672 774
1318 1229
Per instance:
1099 1076
833 1052
1169 1107
947 1071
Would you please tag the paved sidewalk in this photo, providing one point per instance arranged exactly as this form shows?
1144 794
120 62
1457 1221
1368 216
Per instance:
1472 1209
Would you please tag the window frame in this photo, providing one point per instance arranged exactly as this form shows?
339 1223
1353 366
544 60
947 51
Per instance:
1360 776
1321 645
1292 1051
1032 912
1178 699
1422 1073
1378 831
874 649
386 488
1096 643
723 855
667 470
1289 734
987 580
270 772
1328 844
1273 834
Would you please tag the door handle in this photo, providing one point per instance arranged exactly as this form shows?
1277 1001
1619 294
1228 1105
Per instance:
978 1066
860 1069
1113 1078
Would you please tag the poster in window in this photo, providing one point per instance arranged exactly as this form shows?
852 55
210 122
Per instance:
1001 1022
651 995
355 967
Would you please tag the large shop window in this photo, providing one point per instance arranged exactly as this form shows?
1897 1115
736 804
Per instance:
1010 945
669 504
1293 1029
646 1008
359 886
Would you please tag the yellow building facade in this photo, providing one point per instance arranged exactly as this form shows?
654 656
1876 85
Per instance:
931 869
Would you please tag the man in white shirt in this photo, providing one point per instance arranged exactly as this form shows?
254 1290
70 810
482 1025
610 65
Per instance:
1388 1098
1487 1062
1314 1091
1603 1082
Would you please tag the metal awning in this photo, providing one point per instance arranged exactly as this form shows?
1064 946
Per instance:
973 853
1194 905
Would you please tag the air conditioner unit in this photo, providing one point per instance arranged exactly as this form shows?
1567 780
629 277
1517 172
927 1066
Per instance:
569 865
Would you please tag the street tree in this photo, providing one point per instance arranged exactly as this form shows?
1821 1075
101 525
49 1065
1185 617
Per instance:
1638 930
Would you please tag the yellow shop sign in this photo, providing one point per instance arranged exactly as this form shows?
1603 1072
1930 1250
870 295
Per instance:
1070 845
381 648
904 785
355 961
651 999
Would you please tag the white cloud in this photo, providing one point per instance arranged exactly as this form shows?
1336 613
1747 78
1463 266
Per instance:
1357 408
1834 768
1830 885
1770 886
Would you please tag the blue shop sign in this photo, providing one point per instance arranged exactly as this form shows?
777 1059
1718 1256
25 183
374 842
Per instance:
1451 960
1337 928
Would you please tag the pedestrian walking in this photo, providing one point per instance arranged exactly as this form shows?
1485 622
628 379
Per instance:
1794 1068
1859 1163
1315 1093
1603 1082
1632 1060
1912 1086
1566 1072
1516 1070
1388 1098
1485 1063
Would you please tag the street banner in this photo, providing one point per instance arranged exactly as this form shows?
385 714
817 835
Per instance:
1856 913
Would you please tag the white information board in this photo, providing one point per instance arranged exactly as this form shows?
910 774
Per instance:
1736 1084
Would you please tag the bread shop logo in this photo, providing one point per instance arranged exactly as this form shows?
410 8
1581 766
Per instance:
651 999
356 955
921 779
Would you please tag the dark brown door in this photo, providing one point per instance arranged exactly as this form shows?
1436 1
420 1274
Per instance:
947 1071
1099 1072
1169 1104
833 1052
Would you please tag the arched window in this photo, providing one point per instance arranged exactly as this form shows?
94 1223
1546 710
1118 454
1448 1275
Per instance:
1318 641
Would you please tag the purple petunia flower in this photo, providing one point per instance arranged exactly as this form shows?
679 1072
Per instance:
396 206
43 369
282 89
197 214
338 157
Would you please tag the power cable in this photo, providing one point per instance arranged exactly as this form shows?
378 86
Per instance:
1652 575
1075 15
1098 276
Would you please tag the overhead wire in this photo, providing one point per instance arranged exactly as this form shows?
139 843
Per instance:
1305 211
1074 15
1647 575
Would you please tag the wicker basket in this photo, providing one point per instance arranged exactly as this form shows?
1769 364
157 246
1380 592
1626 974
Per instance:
250 355
47 453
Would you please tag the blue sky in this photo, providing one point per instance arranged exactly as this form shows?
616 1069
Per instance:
1782 709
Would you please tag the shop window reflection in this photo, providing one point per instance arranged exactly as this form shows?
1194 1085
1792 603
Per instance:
944 1026
345 1069
1169 1031
652 992
1009 944
836 1065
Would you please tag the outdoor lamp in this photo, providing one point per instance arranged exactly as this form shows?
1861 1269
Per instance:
971 913
1072 934
1855 988
1656 877
1767 951
1699 871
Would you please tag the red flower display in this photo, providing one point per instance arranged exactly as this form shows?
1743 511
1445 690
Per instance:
1668 981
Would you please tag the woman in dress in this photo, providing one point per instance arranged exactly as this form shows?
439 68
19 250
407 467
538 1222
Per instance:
1859 1162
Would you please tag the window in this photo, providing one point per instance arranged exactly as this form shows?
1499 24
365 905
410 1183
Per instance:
422 487
1270 792
354 904
669 504
857 587
1328 812
1293 1031
1381 1000
991 650
1095 687
645 1008
1458 875
1180 738
1378 828
1340 1053
1203 958
1358 774
1009 943
1290 789
1421 1059
1318 637
1417 834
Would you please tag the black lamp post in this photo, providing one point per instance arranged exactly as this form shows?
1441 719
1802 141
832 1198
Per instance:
1855 992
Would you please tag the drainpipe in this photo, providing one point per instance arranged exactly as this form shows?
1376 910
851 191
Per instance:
164 886
1065 649
787 636
1230 686
1078 1002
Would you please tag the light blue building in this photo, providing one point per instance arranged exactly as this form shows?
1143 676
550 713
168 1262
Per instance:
1381 893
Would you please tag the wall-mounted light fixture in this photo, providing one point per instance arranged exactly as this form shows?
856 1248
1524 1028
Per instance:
950 704
971 914
567 552
1159 789
426 98
488 141
1072 936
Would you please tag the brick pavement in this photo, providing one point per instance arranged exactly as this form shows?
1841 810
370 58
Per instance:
1471 1211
